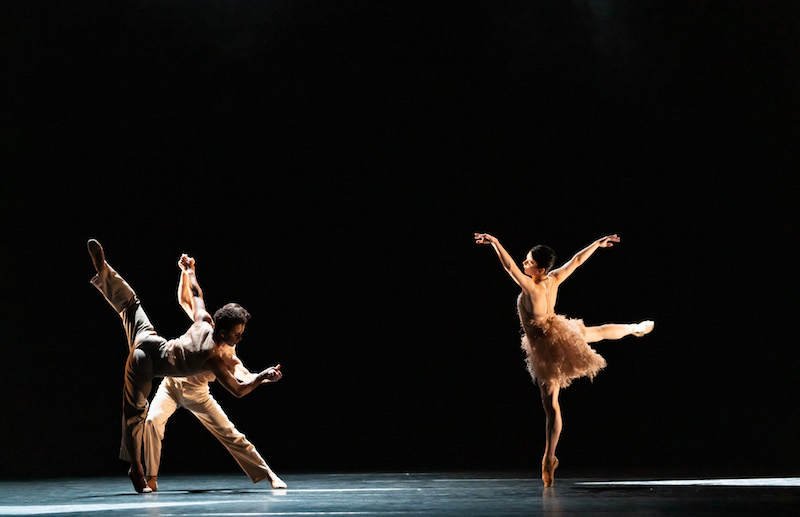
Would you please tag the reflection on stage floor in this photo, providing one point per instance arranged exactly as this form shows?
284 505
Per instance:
382 494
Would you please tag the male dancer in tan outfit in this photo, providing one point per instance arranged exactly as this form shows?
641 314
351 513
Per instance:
150 355
193 393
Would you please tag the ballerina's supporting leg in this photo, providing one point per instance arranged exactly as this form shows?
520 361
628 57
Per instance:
552 411
618 331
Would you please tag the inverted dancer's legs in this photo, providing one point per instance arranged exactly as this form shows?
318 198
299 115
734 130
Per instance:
617 331
138 368
552 411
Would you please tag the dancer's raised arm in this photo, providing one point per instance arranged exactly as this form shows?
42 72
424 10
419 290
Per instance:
506 261
184 292
579 258
199 312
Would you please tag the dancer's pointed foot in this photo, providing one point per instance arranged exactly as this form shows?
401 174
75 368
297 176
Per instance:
548 471
152 483
97 254
139 483
277 482
645 327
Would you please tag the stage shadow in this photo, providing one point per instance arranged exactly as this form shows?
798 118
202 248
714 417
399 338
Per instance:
198 491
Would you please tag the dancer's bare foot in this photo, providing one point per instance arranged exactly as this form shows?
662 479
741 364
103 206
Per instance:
152 483
139 483
645 327
97 254
548 471
277 482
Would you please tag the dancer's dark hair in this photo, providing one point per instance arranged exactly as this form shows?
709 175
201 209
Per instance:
544 256
230 315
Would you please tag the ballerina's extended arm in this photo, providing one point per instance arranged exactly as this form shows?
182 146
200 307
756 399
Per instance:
579 258
506 261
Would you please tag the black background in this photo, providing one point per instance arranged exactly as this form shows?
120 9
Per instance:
327 162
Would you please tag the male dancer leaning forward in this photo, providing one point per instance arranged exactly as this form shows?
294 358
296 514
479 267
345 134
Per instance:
193 393
150 355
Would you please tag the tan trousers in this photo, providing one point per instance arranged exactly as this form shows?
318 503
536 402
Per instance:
175 392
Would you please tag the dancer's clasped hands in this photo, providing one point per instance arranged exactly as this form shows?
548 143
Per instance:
186 262
271 374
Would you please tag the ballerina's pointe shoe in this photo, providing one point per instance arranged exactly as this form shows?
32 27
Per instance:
277 482
97 254
548 472
645 327
152 483
139 483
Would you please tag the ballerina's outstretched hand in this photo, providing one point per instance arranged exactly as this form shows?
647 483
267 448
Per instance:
485 238
608 241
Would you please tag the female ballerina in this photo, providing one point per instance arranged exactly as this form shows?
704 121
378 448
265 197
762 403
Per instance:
557 348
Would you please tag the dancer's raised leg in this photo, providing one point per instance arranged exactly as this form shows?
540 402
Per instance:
618 331
553 424
121 296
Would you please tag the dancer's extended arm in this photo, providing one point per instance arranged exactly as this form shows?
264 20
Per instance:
506 261
579 258
225 376
240 371
238 368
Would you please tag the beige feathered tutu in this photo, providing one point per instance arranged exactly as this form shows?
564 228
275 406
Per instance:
556 349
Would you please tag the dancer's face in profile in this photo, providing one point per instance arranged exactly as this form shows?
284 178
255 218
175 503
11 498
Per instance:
234 335
529 266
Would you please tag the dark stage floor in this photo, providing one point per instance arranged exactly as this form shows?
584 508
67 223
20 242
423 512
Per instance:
463 494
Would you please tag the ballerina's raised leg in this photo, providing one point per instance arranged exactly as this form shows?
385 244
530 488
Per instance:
612 331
